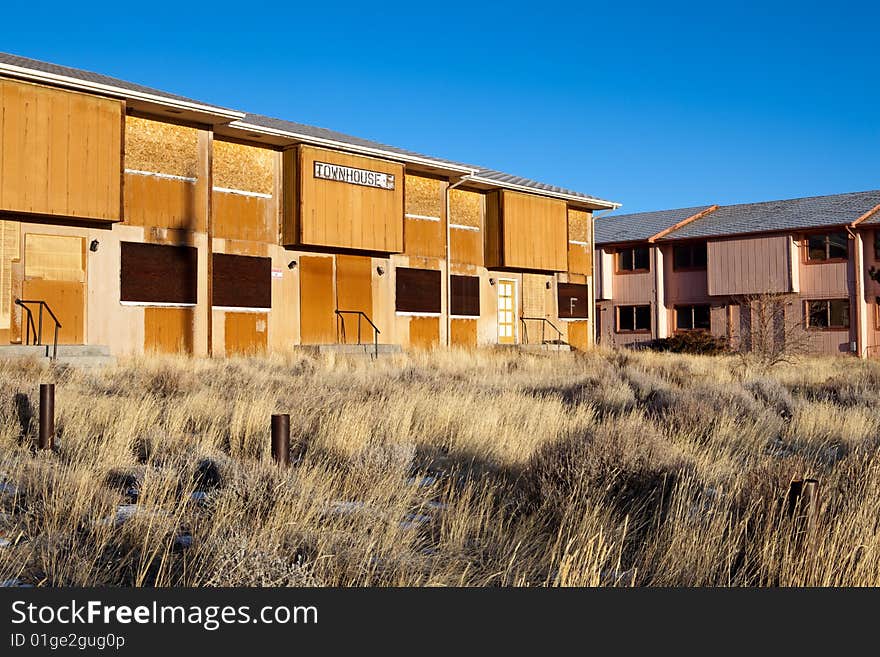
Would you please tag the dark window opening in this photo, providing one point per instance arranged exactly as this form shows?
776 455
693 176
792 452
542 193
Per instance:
689 256
830 246
692 318
637 258
634 319
828 314
242 281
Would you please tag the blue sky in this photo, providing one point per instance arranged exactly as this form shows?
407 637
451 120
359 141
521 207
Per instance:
655 105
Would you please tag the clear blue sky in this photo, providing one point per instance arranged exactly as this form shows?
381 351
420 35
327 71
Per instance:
653 105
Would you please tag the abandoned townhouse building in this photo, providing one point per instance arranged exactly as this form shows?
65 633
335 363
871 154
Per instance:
144 221
711 268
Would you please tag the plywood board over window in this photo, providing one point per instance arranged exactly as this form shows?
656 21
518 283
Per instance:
157 147
62 152
158 274
242 281
417 290
425 226
526 232
246 333
580 251
10 241
55 272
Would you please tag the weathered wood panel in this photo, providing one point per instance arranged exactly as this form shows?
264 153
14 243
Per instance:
344 215
317 321
161 202
242 217
154 273
579 335
417 290
466 246
60 152
243 167
465 296
10 251
245 333
424 332
424 238
67 299
573 301
354 291
424 229
160 147
751 265
464 333
580 242
533 230
168 330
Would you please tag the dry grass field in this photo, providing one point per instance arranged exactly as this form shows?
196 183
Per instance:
451 468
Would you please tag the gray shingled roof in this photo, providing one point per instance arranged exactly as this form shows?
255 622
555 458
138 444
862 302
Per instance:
639 226
325 133
96 78
781 216
279 124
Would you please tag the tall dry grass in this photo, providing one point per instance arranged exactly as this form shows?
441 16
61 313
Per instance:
452 468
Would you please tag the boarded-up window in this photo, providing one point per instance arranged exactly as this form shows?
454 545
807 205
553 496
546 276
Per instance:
242 281
466 296
9 251
154 273
54 258
418 290
573 301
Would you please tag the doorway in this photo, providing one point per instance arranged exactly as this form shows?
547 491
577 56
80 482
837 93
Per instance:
506 311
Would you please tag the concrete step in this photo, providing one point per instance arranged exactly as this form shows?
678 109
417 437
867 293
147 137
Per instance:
80 355
353 349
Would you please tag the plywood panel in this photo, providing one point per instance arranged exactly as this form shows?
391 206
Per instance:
67 301
354 291
317 320
55 257
61 152
580 242
241 281
464 333
10 250
425 238
155 273
241 217
345 215
579 335
466 246
246 333
244 167
534 232
424 332
466 208
161 147
168 330
161 202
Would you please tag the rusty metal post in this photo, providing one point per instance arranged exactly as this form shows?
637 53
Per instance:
47 416
795 488
281 439
810 502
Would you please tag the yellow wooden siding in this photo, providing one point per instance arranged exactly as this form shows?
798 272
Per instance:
464 333
54 258
317 321
241 217
579 335
354 291
161 202
424 332
67 300
531 231
61 152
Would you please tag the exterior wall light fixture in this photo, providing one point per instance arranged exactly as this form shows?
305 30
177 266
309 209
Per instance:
491 281
93 246
291 264
380 270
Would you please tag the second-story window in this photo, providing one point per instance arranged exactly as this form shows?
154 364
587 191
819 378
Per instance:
877 245
828 246
632 259
689 256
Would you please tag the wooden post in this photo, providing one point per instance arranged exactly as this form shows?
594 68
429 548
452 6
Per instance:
47 416
281 439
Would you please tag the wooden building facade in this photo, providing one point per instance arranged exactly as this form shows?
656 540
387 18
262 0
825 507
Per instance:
149 222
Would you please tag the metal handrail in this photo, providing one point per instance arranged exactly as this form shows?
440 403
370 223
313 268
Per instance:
38 333
544 322
340 322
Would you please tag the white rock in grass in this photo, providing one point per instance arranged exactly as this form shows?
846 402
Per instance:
5 542
14 584
199 497
346 507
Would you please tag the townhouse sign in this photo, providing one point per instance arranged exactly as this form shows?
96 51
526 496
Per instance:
354 176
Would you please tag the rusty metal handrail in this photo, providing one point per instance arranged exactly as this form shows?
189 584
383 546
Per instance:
340 321
544 322
38 333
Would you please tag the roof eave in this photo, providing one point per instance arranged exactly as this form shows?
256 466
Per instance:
292 138
146 101
592 203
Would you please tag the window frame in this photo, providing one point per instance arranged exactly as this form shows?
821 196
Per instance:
617 256
692 307
829 327
690 246
633 331
827 259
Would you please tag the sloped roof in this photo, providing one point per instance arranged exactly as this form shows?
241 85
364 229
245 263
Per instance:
640 226
780 216
65 75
